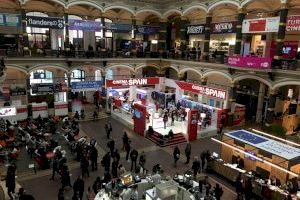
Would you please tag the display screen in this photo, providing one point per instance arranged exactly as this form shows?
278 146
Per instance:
137 114
4 112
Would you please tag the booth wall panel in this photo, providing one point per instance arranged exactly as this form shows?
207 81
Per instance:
250 164
282 176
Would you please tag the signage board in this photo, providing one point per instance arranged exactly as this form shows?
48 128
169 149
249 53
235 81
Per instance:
121 28
48 88
195 29
274 147
85 86
223 27
265 25
84 25
203 90
147 30
45 22
131 82
250 62
10 20
293 23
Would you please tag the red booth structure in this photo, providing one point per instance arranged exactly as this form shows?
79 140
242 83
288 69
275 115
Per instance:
139 119
193 124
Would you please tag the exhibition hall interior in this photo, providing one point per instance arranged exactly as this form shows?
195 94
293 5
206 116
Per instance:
150 100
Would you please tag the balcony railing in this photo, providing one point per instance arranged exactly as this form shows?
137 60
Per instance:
220 59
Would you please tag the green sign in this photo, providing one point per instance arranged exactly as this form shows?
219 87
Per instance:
10 20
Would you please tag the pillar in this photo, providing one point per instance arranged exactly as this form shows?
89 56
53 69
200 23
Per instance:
207 36
281 34
28 86
162 35
69 75
67 39
271 106
183 35
133 21
24 25
232 97
239 35
260 102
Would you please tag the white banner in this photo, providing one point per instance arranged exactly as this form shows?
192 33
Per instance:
265 25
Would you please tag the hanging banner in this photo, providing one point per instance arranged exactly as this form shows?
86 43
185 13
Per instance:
223 27
293 23
250 62
203 90
147 30
84 25
131 82
266 25
45 22
195 29
85 86
118 28
48 88
10 20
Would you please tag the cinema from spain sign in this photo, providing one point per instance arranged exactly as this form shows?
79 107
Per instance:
132 82
203 90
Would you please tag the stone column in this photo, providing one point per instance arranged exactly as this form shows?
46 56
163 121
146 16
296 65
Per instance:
239 35
162 35
183 35
67 35
271 106
24 25
28 87
260 102
281 34
207 36
69 99
232 97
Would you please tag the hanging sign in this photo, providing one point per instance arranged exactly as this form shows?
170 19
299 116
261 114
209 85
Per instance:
45 22
10 20
84 25
250 62
223 27
203 90
48 88
266 25
195 29
147 30
118 28
133 81
85 86
293 23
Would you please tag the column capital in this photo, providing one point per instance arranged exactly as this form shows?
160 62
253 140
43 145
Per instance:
272 92
242 11
209 14
66 11
183 18
163 20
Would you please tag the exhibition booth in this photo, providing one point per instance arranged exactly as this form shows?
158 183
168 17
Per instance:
273 166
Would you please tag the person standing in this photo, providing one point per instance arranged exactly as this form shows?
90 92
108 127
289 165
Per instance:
60 195
127 149
94 157
196 166
165 119
114 168
78 187
106 162
84 164
125 139
108 129
176 155
11 180
133 156
55 168
188 151
65 177
172 118
142 161
218 192
239 184
111 146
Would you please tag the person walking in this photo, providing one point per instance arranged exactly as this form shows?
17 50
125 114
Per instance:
127 149
78 187
65 177
188 151
84 164
10 180
94 157
125 139
106 161
133 156
165 120
172 118
218 192
108 129
111 146
142 161
196 166
114 168
176 155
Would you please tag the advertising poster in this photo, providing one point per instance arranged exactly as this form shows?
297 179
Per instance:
293 23
84 25
265 25
223 27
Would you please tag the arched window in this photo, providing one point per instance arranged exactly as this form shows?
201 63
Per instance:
37 37
98 75
41 76
76 36
78 75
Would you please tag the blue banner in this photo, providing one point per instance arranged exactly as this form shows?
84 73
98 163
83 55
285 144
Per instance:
85 86
84 25
119 28
247 136
147 30
10 20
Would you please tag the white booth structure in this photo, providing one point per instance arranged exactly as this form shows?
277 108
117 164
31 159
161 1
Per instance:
39 109
60 108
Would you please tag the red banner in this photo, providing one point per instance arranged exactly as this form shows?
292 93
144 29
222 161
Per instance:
39 108
293 23
203 90
132 82
257 25
21 110
61 106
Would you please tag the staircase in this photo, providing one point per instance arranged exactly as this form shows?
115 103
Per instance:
157 139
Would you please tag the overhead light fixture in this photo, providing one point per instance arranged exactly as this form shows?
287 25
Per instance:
275 137
257 158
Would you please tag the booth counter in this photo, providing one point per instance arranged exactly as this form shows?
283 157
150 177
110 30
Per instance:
60 108
22 113
39 109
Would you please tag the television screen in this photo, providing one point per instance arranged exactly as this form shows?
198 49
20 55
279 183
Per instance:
137 114
9 111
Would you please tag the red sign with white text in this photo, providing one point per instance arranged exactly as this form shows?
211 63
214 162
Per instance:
132 82
203 90
293 23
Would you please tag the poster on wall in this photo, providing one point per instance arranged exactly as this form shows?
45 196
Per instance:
266 25
10 20
195 29
293 23
84 25
223 27
45 22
